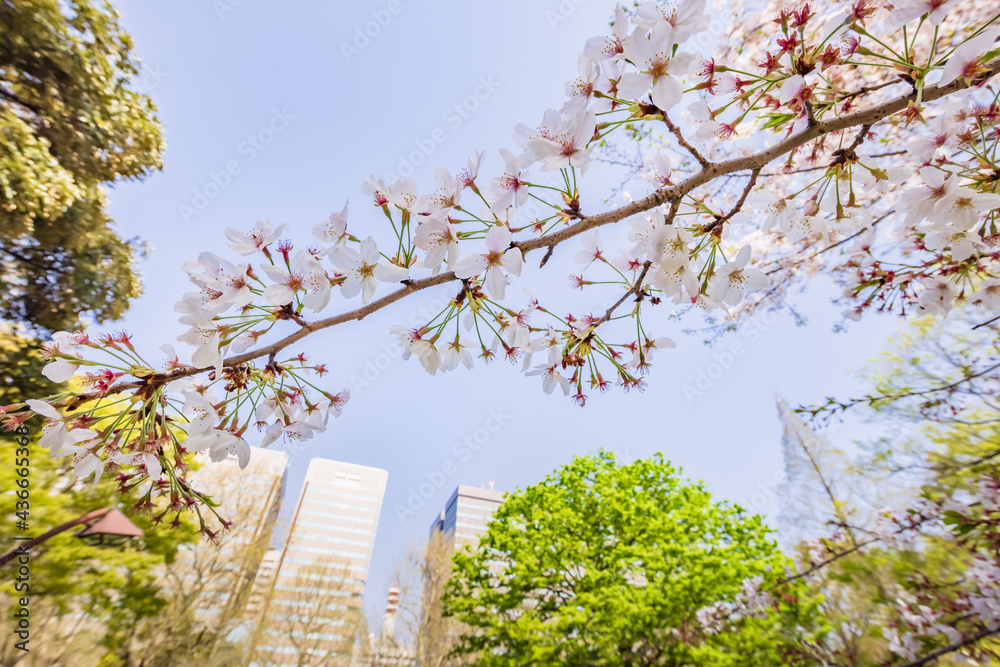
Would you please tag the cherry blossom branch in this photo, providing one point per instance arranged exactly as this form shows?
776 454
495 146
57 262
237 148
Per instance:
710 171
819 566
721 220
307 328
843 155
857 547
871 400
637 286
828 248
676 131
870 89
934 655
810 113
761 159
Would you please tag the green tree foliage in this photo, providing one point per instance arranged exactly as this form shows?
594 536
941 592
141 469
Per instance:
22 366
85 598
607 564
70 120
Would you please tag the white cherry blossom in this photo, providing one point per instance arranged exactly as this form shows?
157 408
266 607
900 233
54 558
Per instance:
938 295
304 274
612 46
921 202
905 11
333 232
261 235
659 175
957 238
963 206
499 260
455 353
988 295
55 436
592 249
965 60
685 18
439 239
565 145
734 278
65 344
658 67
364 269
551 377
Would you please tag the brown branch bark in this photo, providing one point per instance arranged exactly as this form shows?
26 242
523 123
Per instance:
676 131
674 193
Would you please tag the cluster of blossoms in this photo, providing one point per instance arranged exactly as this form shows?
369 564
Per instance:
751 602
689 241
929 613
144 437
906 216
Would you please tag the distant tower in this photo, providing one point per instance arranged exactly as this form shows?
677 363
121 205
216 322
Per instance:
389 619
384 652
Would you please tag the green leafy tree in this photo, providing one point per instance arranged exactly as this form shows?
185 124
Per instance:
607 564
22 364
70 121
84 598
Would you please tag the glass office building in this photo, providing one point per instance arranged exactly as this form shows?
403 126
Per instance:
316 601
466 514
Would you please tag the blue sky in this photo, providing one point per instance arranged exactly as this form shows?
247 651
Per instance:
282 114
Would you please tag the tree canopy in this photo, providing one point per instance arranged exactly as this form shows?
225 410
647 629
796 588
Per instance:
71 120
608 564
86 599
854 138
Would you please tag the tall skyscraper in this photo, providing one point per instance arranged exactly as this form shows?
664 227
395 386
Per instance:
466 514
316 601
262 585
462 522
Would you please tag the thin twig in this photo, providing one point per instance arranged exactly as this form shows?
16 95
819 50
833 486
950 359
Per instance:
721 220
674 193
676 131
829 247
986 323
826 166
